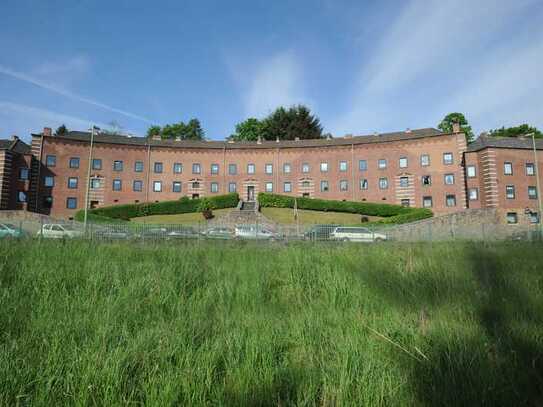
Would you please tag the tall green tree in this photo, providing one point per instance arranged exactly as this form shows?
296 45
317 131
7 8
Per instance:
446 125
192 130
248 130
516 131
61 131
294 122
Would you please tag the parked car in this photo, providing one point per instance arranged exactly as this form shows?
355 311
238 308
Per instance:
219 233
8 230
59 231
356 234
183 232
254 232
113 233
153 233
320 232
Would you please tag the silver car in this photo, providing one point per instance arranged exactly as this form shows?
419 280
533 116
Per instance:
356 234
254 232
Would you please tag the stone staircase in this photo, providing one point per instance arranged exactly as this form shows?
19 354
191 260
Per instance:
245 214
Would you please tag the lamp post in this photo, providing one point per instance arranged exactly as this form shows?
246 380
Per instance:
92 129
537 182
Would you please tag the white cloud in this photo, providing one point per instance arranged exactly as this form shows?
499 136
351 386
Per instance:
451 43
30 119
44 84
276 81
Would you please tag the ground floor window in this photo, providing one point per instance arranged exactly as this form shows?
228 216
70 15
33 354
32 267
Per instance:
176 187
427 202
473 194
512 218
383 183
138 186
214 187
232 187
71 203
157 186
450 200
269 186
343 185
405 202
324 186
287 187
21 196
364 184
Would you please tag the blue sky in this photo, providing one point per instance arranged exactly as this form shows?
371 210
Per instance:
361 66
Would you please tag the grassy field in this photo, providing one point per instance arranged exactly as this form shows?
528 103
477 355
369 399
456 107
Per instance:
212 324
286 216
180 218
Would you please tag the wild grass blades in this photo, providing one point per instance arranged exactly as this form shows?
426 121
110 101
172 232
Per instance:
229 323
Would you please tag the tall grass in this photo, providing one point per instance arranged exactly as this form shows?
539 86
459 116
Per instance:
255 324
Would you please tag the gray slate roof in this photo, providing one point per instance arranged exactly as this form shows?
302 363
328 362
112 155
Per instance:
504 142
16 145
212 144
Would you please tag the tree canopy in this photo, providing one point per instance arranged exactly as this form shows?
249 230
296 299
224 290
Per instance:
285 124
192 130
446 125
61 131
516 131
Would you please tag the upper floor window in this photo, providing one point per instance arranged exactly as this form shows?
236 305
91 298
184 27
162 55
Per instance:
138 166
382 163
23 173
74 162
324 167
305 168
383 183
510 191
532 192
117 165
426 180
471 171
214 187
424 160
269 186
362 165
117 185
473 194
287 187
343 185
306 184
450 200
507 168
232 169
71 203
448 158
49 181
449 179
51 160
157 186
324 186
364 184
250 168
269 169
195 185
286 168
196 168
402 162
96 163
530 169
96 183
214 169
21 196
72 182
158 167
177 168
343 166
404 182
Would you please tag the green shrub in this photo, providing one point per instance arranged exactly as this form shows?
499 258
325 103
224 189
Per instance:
392 213
183 205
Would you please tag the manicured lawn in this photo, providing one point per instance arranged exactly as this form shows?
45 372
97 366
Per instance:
237 324
286 216
182 218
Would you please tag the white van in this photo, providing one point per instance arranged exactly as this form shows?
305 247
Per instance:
356 234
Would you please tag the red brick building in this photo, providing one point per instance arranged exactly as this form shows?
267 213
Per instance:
15 163
422 168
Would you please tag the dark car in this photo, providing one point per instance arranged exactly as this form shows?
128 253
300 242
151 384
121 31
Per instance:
320 232
113 233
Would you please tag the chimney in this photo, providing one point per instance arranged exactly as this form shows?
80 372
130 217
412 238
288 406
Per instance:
456 127
47 131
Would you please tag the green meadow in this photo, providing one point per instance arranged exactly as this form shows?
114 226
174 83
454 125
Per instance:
234 323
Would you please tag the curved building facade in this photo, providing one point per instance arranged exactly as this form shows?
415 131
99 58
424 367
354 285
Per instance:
420 168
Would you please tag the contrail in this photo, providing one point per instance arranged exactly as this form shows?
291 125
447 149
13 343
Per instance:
26 78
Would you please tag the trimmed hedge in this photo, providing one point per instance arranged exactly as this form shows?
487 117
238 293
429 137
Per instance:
183 205
391 213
